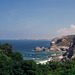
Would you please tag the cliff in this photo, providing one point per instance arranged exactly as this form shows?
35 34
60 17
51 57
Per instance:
63 40
64 43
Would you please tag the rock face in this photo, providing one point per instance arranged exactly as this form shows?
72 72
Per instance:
70 53
56 48
64 43
61 43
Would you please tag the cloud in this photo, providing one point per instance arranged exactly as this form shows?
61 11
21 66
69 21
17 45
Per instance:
73 26
67 31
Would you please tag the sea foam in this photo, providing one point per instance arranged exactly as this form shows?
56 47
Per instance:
44 61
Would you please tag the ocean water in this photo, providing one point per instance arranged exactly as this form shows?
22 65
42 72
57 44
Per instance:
26 48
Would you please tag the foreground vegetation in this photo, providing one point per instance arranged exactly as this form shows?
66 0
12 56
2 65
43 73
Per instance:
12 63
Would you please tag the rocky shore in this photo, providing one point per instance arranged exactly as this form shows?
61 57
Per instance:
37 49
64 44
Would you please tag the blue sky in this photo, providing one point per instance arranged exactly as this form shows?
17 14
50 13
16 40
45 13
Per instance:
36 19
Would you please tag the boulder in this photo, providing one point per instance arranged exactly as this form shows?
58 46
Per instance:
37 49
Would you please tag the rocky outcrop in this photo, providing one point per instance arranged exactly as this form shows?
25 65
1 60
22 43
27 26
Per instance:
61 43
64 43
70 53
63 40
39 49
55 48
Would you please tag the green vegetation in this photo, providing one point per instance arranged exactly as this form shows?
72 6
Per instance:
12 63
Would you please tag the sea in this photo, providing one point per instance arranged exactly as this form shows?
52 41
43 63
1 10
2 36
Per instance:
26 48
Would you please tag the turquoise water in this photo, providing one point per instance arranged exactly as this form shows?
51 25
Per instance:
26 48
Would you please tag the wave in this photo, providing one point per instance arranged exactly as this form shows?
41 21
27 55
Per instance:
44 61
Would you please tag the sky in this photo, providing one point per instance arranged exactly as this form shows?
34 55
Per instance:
36 19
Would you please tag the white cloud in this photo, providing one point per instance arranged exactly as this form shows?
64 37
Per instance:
67 31
73 26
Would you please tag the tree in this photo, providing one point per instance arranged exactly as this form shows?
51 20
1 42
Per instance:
6 49
17 56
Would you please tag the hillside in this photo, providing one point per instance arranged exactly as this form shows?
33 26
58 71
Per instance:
63 40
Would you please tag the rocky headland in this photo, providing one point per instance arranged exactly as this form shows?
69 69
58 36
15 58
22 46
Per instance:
64 44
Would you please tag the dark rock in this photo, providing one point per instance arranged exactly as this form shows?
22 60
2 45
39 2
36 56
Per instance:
58 41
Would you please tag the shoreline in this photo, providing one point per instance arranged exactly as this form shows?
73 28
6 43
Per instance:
44 61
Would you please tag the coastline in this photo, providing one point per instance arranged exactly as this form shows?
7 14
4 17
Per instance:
44 61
